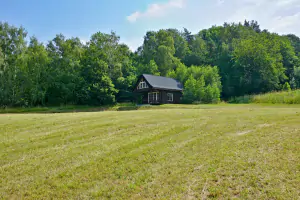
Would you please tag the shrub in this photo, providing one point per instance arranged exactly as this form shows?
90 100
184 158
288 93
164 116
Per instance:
286 87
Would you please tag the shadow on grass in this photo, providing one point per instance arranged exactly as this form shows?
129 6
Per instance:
44 110
118 107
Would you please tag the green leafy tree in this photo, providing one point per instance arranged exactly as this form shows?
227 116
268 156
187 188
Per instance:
36 73
295 42
99 86
149 48
202 83
180 44
65 83
286 87
200 89
296 79
189 94
188 36
13 47
247 60
259 63
150 68
164 59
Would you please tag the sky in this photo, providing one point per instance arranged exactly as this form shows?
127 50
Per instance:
131 19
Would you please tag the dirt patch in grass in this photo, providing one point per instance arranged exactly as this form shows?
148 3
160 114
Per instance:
264 125
244 132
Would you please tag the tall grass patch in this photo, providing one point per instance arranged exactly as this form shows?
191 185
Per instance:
283 97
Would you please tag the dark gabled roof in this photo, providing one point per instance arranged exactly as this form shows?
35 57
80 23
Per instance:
160 82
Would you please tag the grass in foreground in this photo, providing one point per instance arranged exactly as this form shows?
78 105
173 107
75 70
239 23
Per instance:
283 97
247 152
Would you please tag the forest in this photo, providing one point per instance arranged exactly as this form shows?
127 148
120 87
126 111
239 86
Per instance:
215 64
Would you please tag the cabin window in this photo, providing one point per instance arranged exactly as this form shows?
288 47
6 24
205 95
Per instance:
142 85
153 97
170 97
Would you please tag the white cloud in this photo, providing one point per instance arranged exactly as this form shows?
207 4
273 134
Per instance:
83 40
132 43
286 2
220 2
275 15
286 24
280 16
156 10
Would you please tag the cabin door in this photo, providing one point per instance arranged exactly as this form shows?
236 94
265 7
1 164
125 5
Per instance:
153 97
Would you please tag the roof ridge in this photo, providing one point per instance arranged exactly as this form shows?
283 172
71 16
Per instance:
163 82
162 76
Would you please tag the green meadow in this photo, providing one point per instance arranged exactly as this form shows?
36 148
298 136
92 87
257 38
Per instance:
174 152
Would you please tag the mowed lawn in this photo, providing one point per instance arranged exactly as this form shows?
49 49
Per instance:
190 152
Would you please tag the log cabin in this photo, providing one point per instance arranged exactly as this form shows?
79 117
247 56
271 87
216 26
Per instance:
158 89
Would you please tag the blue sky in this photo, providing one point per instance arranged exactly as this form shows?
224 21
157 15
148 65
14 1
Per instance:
132 18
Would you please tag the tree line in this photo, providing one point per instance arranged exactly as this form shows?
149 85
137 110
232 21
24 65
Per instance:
216 63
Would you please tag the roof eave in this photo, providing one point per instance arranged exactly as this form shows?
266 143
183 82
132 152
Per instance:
169 89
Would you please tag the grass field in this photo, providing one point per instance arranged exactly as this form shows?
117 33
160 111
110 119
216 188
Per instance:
283 97
187 152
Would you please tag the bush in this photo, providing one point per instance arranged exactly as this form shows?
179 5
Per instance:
127 108
286 87
202 85
242 99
